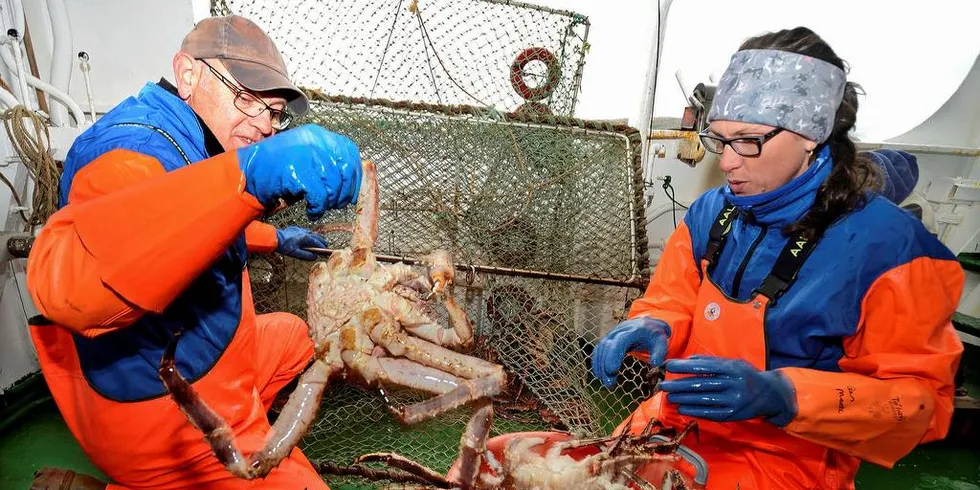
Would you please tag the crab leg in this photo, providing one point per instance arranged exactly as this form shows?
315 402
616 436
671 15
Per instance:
422 326
431 366
401 372
366 228
400 476
358 348
472 449
463 394
482 378
405 275
603 464
452 392
400 344
402 463
641 483
442 272
216 431
459 320
473 444
296 416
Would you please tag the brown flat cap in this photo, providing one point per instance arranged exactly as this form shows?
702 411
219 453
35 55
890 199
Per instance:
248 53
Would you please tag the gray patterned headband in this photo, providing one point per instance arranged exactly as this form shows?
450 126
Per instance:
782 89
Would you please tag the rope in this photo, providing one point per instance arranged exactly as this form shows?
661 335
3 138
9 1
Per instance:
414 8
33 151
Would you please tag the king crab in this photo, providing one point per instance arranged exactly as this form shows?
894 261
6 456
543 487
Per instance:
369 322
545 461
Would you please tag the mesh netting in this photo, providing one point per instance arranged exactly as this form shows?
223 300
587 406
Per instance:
437 51
548 212
543 213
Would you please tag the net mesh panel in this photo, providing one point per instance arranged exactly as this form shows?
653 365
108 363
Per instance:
547 208
519 196
436 51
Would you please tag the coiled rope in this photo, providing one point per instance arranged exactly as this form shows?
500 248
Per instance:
32 149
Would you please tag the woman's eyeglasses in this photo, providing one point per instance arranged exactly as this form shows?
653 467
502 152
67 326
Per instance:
252 106
747 146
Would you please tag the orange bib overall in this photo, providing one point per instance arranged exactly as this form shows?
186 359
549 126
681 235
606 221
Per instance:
750 454
123 250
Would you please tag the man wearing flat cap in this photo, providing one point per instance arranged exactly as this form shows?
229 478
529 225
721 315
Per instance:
159 206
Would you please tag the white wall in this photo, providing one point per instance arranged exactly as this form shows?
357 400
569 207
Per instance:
129 42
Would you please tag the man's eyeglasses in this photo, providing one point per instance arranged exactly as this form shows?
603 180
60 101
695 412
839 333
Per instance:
747 146
251 105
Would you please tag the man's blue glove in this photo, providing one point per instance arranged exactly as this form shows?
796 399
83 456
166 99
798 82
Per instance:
639 334
307 162
293 239
727 390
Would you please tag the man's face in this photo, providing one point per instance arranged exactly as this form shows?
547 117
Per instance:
214 100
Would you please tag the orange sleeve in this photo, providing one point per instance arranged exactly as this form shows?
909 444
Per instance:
896 389
672 292
133 237
261 237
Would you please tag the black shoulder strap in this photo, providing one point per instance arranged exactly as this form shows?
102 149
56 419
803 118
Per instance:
161 131
719 232
787 266
39 320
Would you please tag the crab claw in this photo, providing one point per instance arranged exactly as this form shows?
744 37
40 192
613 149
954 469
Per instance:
441 271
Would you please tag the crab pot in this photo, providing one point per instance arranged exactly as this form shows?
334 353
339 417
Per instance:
478 153
548 214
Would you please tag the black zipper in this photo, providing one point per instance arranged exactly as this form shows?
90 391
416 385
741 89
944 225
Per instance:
745 262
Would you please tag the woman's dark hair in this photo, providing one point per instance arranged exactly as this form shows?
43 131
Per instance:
852 175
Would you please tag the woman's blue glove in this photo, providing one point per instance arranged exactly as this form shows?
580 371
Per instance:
293 239
639 334
727 390
309 163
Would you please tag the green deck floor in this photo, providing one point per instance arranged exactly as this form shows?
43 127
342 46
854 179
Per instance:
43 440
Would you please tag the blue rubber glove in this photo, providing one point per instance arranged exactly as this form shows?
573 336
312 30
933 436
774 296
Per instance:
639 334
307 162
727 390
293 239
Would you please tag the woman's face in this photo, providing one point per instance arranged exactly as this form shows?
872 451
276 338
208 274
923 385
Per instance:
784 157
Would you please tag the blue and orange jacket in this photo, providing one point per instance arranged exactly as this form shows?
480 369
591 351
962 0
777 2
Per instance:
146 241
870 310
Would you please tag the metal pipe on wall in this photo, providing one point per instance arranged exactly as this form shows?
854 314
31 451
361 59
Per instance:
8 98
648 104
33 81
16 66
86 68
17 13
61 57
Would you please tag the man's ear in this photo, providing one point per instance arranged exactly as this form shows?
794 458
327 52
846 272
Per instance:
186 74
